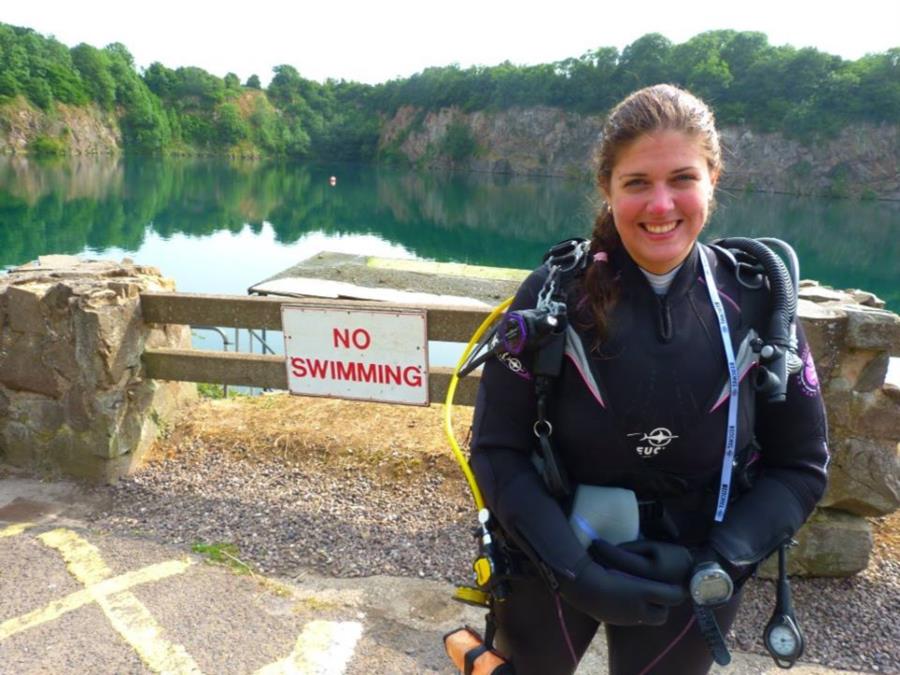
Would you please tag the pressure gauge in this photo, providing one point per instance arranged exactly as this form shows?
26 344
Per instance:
783 640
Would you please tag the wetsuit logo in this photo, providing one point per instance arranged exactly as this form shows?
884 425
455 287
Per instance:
809 379
651 443
514 364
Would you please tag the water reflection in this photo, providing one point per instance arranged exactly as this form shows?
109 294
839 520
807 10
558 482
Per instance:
140 205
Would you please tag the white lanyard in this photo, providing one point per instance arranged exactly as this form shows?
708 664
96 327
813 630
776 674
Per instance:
731 432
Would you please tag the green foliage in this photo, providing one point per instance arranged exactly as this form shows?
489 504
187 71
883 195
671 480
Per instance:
230 126
458 143
94 67
207 390
223 553
804 93
45 146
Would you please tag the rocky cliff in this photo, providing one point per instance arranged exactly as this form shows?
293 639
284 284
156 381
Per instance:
863 161
75 130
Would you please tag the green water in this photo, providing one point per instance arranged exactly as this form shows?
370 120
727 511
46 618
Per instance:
218 227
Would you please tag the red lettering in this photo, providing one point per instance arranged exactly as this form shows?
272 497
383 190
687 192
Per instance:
341 338
317 368
361 338
356 371
298 367
391 373
367 372
345 371
412 376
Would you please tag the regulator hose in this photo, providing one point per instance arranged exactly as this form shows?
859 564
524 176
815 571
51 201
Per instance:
778 341
451 391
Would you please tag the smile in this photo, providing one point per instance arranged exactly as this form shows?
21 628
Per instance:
660 228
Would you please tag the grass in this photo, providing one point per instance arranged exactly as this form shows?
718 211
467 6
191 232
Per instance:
223 553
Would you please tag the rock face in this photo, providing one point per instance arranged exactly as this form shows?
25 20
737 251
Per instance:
72 397
81 130
861 161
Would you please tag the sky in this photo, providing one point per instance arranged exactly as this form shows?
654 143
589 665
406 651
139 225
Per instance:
375 41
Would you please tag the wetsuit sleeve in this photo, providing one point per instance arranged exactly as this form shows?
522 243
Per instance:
502 444
793 460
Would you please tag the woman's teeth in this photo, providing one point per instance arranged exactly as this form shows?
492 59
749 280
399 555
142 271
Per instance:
660 228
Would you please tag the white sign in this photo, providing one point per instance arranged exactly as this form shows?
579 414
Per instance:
344 352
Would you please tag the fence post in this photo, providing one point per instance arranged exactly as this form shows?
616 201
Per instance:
73 399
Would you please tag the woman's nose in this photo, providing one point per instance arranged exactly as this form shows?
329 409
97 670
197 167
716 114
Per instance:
661 201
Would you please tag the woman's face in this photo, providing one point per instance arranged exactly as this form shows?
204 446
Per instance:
659 193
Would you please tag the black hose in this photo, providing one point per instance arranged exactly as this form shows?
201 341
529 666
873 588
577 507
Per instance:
773 380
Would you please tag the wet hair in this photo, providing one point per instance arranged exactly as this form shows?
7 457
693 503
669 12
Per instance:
661 107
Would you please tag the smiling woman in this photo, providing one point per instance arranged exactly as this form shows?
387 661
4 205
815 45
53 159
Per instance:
658 333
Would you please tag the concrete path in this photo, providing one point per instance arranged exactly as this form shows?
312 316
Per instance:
77 600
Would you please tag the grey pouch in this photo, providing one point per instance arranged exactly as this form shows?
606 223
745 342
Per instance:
608 513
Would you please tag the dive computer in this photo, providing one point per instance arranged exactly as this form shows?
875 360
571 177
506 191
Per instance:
710 585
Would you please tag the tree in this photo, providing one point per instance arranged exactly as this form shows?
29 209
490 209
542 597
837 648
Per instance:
230 126
253 82
94 68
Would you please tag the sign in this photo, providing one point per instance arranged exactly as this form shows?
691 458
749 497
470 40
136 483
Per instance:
366 354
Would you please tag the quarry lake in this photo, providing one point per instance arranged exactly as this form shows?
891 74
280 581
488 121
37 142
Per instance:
219 226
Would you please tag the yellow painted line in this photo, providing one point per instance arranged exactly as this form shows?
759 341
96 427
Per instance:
323 648
13 530
73 601
125 612
448 269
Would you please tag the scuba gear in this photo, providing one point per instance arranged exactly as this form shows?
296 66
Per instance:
657 560
782 635
471 656
501 446
710 585
608 513
781 337
621 599
712 635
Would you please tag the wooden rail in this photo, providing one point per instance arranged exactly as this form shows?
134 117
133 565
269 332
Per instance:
269 371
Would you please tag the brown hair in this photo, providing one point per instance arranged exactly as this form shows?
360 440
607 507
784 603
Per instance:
662 107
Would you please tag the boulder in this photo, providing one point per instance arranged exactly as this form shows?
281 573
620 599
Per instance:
831 544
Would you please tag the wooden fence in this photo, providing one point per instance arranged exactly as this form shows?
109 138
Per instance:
264 312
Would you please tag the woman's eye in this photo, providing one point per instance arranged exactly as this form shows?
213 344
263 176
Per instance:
685 177
634 182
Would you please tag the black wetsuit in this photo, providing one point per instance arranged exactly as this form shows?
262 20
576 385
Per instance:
648 412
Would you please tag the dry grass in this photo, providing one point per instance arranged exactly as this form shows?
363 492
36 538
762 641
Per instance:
389 441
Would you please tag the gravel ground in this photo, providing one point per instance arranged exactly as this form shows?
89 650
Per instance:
286 516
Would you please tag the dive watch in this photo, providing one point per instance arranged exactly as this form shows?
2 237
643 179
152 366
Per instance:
710 585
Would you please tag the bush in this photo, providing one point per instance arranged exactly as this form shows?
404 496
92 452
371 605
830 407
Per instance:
45 146
458 143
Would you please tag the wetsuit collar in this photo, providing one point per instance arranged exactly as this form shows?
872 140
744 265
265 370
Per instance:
684 279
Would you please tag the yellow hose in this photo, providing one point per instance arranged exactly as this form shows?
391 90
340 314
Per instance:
448 403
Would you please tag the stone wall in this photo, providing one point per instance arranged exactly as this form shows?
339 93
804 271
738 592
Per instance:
72 397
852 338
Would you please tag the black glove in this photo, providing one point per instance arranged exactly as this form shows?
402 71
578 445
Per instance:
646 558
619 599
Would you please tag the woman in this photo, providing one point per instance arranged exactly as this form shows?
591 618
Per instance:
644 411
